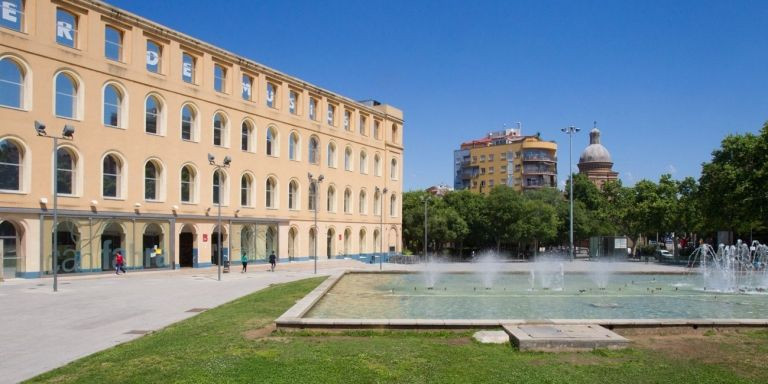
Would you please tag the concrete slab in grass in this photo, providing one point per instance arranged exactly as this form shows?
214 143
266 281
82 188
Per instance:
491 337
563 337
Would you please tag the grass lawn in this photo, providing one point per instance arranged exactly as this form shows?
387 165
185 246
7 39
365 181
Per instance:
234 343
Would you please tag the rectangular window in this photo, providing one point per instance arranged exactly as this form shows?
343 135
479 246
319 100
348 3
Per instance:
503 156
347 118
271 95
482 158
490 170
490 183
113 43
376 129
247 86
331 115
219 78
154 56
13 15
362 125
66 28
188 64
312 108
490 157
293 99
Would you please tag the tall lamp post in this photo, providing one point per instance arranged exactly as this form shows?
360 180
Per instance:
426 255
217 168
316 182
67 133
570 131
381 226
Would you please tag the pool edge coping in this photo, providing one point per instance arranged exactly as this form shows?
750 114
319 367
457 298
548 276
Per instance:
294 318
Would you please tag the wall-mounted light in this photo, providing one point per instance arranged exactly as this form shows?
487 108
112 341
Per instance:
137 205
43 200
94 203
175 207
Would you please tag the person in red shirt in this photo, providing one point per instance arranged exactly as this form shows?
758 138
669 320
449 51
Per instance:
119 263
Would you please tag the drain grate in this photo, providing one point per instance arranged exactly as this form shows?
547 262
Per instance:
137 332
197 310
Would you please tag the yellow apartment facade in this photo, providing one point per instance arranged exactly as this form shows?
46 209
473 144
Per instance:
148 105
505 158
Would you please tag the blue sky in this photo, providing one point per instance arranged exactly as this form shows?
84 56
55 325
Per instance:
666 81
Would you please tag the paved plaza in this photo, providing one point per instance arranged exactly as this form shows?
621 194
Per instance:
43 330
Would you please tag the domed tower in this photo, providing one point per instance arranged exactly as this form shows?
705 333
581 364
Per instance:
595 162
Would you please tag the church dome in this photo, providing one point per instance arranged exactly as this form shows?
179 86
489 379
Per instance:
595 152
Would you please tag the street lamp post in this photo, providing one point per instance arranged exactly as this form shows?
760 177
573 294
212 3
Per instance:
66 134
570 131
381 226
426 255
316 182
217 168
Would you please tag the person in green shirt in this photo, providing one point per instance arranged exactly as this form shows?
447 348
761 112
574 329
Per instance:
244 260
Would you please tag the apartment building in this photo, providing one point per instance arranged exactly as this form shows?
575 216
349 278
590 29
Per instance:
505 158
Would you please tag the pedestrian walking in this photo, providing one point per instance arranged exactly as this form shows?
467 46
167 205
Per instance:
272 260
244 260
119 263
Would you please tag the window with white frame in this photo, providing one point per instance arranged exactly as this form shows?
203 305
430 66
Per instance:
312 108
66 180
153 110
362 125
331 115
331 153
331 199
13 15
363 162
219 78
314 150
348 159
113 106
293 195
347 118
271 95
293 101
188 122
66 28
11 163
312 196
246 131
188 68
246 189
113 43
293 146
154 57
219 129
67 96
152 180
363 204
270 191
392 202
219 185
347 200
247 85
188 180
12 83
376 165
111 176
376 129
271 142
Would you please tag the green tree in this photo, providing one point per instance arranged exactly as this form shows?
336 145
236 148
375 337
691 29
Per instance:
471 207
503 208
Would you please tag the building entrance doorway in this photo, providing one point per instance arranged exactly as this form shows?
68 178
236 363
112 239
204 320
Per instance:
186 249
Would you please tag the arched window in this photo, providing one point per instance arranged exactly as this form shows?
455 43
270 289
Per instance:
376 165
347 200
152 180
152 115
331 155
363 162
246 190
377 203
111 176
293 195
219 129
11 156
392 201
331 199
293 146
188 122
12 83
113 106
65 172
393 169
246 131
363 204
314 150
188 180
271 142
219 187
312 196
66 96
348 159
269 192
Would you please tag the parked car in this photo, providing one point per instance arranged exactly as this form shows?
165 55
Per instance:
664 254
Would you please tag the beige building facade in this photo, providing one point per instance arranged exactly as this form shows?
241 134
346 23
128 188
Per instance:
148 106
505 158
